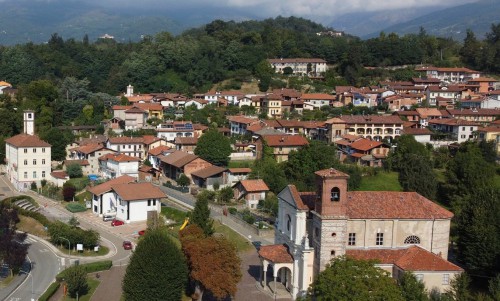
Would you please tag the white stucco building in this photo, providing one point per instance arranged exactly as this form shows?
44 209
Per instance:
27 157
104 200
135 200
115 165
403 231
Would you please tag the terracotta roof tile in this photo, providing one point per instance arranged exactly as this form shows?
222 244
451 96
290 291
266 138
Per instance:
254 185
453 122
89 148
417 131
371 119
276 253
331 172
106 186
149 139
479 112
138 191
208 171
25 140
178 158
186 140
285 140
240 170
159 150
149 106
364 144
126 140
413 258
117 157
60 174
79 162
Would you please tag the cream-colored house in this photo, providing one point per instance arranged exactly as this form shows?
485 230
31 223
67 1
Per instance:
404 231
27 157
375 127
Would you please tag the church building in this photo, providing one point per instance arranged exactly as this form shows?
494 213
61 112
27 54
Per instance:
401 231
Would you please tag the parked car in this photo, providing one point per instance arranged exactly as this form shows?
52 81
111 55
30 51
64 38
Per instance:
108 217
142 232
127 245
116 222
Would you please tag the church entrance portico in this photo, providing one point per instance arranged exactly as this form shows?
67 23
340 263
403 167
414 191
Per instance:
276 273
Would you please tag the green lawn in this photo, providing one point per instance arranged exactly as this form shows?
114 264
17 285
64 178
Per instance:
241 243
93 284
383 181
497 181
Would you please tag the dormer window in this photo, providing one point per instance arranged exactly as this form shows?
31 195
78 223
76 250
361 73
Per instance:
335 194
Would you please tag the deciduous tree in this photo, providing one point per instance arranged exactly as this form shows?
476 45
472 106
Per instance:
76 280
12 249
413 289
353 280
214 148
201 213
211 259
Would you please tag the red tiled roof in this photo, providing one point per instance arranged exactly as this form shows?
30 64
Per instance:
240 170
297 60
426 112
117 157
285 140
276 253
413 258
89 148
178 158
79 162
417 131
364 144
331 172
393 204
186 140
106 186
372 119
126 140
254 185
484 112
453 122
208 171
59 174
314 96
25 140
149 139
159 150
149 106
138 191
135 110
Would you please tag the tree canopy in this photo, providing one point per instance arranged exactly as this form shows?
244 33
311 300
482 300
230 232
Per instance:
353 280
214 148
200 215
157 269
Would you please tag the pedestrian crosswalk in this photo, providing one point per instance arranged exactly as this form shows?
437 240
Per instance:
29 240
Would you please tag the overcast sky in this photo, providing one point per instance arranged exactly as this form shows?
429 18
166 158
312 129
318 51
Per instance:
302 8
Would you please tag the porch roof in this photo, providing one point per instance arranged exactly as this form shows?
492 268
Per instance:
276 253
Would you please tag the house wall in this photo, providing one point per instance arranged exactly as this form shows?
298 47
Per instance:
108 200
138 210
23 175
252 199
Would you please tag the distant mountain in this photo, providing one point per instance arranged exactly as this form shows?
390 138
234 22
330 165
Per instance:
367 23
452 22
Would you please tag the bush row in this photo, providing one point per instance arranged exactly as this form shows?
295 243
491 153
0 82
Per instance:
75 207
89 268
51 290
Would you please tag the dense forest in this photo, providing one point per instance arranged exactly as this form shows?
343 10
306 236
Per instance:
198 58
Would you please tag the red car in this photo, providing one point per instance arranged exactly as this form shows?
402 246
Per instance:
142 232
116 222
127 245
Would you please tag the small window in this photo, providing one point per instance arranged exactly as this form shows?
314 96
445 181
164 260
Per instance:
25 150
43 150
149 202
154 202
34 161
412 239
43 173
334 234
43 161
380 239
34 151
352 239
34 175
25 162
316 232
335 194
332 253
25 174
288 222
446 279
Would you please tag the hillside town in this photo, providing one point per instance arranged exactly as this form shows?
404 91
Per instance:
150 141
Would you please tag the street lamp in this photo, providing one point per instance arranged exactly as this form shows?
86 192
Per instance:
69 245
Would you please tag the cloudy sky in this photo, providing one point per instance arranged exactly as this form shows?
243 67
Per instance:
303 8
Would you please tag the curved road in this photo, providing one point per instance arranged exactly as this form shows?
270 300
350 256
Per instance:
45 266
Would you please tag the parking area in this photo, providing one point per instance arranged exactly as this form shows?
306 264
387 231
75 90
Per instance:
125 231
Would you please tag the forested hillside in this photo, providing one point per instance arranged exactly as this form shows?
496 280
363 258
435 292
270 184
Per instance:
198 58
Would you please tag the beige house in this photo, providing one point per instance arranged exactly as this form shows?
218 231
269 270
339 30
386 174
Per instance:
404 231
281 144
27 157
375 127
252 191
90 153
313 67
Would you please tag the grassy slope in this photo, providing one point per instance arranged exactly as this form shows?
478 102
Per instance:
383 181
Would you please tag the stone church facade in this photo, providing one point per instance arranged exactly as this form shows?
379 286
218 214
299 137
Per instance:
402 231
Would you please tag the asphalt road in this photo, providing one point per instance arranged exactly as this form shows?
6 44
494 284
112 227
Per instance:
45 265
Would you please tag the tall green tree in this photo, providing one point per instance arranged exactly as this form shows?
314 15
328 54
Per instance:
76 281
214 148
12 251
353 280
157 269
405 144
59 139
416 174
460 288
413 289
200 215
478 226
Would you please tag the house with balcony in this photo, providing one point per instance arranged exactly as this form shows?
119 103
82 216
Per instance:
362 151
450 75
458 130
451 93
104 201
130 146
172 129
91 153
427 114
482 116
238 124
115 165
373 127
281 145
155 153
314 101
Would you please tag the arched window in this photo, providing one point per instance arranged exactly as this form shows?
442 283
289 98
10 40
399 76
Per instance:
288 222
412 240
335 194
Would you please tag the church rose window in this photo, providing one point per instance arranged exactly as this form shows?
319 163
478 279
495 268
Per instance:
412 239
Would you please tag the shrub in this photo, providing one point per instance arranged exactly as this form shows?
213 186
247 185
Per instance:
51 290
68 191
232 210
75 207
33 186
74 171
89 268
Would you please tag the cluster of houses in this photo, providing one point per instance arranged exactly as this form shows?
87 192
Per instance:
406 233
